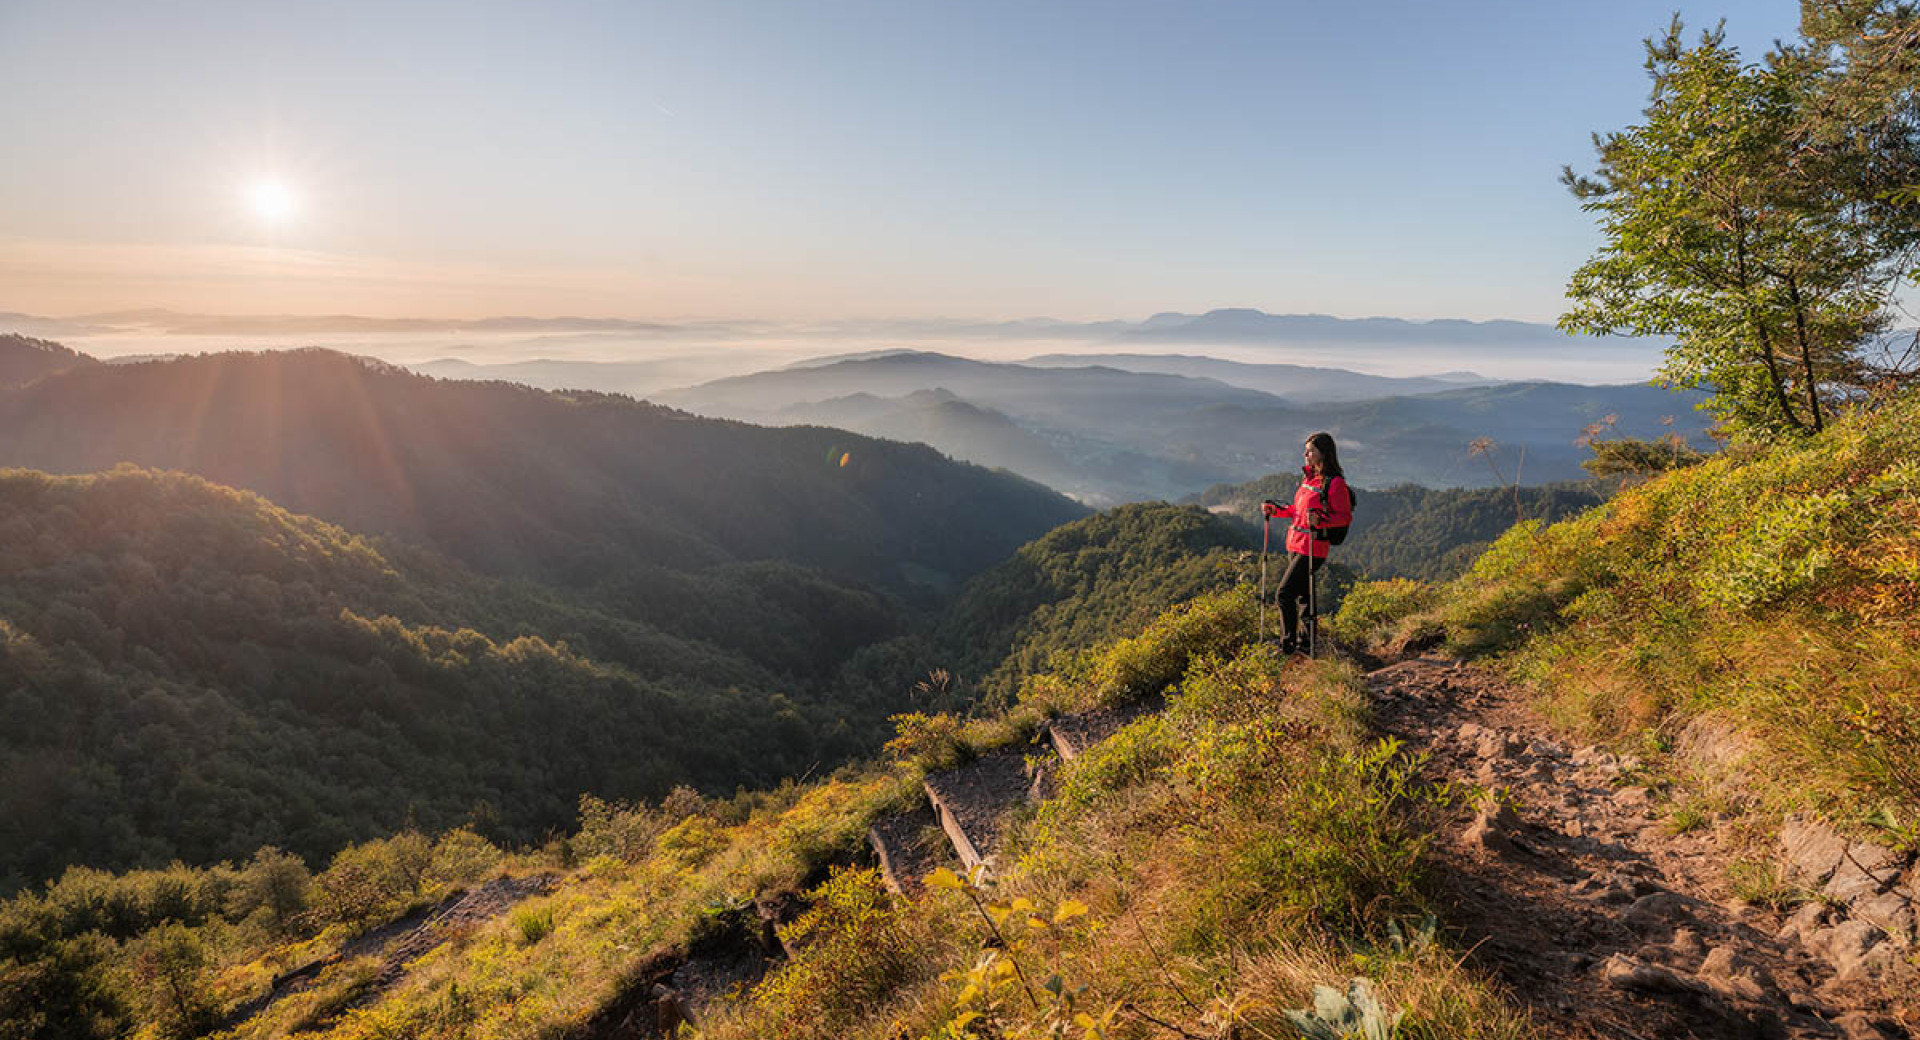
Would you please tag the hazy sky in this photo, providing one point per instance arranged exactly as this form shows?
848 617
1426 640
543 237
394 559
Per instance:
784 159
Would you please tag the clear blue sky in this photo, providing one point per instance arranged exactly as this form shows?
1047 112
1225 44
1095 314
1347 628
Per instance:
808 160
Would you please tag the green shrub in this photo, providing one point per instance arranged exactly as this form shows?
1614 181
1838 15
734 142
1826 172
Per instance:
1138 752
931 742
274 889
173 981
1373 612
369 883
461 857
1148 663
1340 847
532 924
857 947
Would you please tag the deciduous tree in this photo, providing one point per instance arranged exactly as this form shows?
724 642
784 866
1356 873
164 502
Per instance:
1738 224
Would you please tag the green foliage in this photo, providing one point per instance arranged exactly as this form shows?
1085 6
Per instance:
858 947
1633 457
627 831
929 741
165 642
374 881
169 968
1727 227
1138 752
1346 858
1372 610
532 923
1084 583
461 857
1146 664
60 990
1006 992
274 889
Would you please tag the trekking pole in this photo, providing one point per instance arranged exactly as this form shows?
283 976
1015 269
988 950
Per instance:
1266 532
1313 607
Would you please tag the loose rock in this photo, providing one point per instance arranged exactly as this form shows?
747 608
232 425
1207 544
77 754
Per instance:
1850 945
1891 912
1865 869
1492 827
1812 849
1632 973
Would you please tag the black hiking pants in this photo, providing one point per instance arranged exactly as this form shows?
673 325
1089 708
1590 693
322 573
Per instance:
1292 591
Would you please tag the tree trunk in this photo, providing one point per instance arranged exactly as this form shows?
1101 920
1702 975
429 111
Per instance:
1806 350
1760 333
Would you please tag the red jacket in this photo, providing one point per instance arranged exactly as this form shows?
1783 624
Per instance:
1335 504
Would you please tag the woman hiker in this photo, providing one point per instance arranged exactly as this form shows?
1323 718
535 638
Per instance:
1322 501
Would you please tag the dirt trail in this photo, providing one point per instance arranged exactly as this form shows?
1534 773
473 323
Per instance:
1576 892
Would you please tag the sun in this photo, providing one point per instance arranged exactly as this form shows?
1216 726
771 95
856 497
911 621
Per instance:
272 200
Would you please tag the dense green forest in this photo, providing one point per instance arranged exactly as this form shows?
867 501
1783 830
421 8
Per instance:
1416 532
189 671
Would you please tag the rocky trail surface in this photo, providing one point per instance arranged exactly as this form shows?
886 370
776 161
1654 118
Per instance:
1609 916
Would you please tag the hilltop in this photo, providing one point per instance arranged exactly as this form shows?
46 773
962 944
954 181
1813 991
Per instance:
24 359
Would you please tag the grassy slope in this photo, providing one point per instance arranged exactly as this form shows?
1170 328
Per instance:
1207 866
1776 589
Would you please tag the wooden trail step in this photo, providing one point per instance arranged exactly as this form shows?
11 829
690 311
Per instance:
1072 735
899 842
972 801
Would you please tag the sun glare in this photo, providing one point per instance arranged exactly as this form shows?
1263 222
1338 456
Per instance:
272 201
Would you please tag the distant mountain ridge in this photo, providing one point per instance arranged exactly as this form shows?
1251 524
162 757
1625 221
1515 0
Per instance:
1294 382
1245 324
1112 435
1225 324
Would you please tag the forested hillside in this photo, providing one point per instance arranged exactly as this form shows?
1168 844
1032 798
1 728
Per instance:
189 671
24 359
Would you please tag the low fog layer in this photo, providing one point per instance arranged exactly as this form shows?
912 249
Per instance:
641 358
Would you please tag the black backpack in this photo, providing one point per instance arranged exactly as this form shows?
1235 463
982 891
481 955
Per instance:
1336 535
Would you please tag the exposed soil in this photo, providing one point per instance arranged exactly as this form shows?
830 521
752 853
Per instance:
1604 918
909 845
976 796
1074 734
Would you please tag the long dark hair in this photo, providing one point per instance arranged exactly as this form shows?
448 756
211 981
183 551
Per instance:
1329 455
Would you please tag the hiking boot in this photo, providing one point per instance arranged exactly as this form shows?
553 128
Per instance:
1289 646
